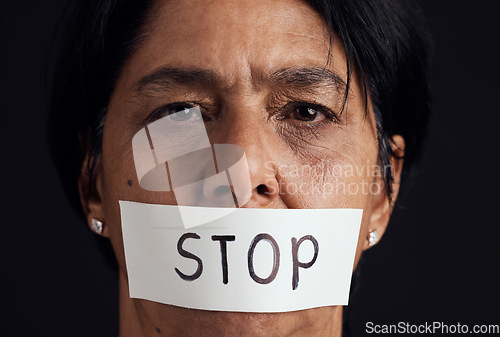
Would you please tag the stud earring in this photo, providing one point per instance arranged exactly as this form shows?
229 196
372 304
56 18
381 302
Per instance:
96 226
373 237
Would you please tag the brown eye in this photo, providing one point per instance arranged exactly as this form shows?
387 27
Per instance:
305 113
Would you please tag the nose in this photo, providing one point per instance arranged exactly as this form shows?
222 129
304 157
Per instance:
265 186
260 143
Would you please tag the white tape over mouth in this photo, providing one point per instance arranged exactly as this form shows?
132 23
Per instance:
250 260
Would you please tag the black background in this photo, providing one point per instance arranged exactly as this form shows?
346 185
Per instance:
439 260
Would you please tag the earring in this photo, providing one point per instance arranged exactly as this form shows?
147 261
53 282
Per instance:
96 226
372 237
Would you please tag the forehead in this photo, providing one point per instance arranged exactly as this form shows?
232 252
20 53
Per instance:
237 39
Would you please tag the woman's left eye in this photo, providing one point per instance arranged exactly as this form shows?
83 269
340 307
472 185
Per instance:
305 113
310 114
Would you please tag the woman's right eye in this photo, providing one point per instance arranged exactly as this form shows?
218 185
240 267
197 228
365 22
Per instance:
183 114
179 113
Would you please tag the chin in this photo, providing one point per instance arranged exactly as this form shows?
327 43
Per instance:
242 324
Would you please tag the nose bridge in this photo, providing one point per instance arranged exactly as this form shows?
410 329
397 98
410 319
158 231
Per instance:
248 127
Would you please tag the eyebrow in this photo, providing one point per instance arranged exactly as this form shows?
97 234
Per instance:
166 77
310 77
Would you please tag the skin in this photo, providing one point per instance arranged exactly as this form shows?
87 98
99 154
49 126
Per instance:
243 42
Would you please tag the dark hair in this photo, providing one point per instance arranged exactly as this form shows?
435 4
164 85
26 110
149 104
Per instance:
386 40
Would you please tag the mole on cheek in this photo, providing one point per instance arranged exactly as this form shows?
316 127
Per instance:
129 183
157 329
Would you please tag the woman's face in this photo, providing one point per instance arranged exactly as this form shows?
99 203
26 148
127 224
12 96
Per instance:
275 94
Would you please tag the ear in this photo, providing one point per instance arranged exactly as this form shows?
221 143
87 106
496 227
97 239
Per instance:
90 188
381 204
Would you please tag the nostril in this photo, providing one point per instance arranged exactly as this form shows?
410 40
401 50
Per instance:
262 189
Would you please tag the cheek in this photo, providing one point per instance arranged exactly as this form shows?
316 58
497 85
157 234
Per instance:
327 178
120 182
346 178
119 169
329 185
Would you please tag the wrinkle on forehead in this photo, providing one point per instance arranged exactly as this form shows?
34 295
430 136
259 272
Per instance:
290 27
